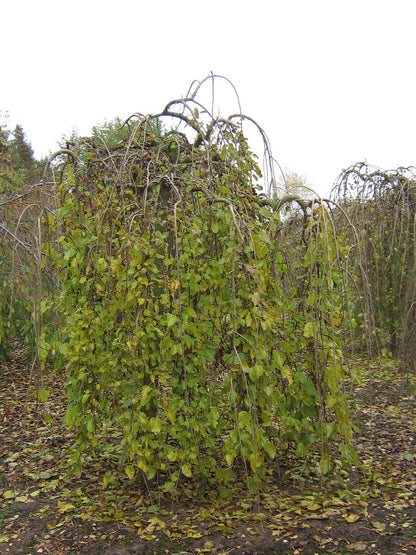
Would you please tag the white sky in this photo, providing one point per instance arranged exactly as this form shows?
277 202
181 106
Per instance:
331 82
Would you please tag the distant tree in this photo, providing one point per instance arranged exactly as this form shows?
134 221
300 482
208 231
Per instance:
6 179
110 133
23 156
3 139
291 182
382 207
18 165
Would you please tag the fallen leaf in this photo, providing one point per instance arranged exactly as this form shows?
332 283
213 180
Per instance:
352 517
9 494
357 546
378 525
194 535
23 499
65 507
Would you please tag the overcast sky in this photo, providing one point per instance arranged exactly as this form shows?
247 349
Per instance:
332 83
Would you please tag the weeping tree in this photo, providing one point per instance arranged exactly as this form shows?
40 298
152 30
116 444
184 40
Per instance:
381 205
22 203
23 277
189 353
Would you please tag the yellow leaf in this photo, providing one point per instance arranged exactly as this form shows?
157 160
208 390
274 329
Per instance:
186 469
129 470
352 517
336 319
41 395
23 499
287 373
229 457
171 320
358 546
171 415
65 507
194 535
156 425
308 330
313 506
146 391
141 463
9 494
107 479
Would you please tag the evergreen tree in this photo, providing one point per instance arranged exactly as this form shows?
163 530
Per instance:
18 165
22 152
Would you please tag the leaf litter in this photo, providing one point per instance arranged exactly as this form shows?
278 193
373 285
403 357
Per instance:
370 508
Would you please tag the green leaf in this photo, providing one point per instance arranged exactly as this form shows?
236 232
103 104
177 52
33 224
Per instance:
64 507
146 390
278 358
324 466
244 419
64 349
171 414
42 395
308 330
156 425
108 476
269 448
229 458
171 453
287 373
256 461
171 320
9 494
129 470
187 470
142 464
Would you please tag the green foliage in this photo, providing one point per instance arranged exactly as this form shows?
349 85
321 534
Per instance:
23 279
19 244
381 205
186 356
15 315
16 295
18 166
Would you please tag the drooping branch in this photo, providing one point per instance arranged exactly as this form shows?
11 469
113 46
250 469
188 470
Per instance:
52 158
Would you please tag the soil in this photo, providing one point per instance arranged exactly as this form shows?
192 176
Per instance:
368 508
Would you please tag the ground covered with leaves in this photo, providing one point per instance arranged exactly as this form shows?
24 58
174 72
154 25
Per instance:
370 508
